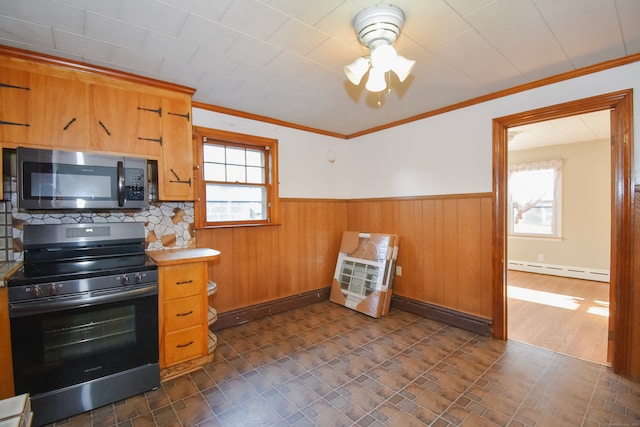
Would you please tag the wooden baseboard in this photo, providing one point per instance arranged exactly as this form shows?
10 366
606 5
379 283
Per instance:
469 322
242 315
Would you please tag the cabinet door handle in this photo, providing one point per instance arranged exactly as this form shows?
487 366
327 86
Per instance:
184 314
105 128
184 345
178 180
69 124
184 282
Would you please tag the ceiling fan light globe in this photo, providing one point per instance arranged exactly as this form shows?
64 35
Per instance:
376 81
356 70
402 67
383 57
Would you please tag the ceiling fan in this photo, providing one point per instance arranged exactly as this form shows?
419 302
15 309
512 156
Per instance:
377 28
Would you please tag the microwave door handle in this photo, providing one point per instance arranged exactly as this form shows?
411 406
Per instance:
120 184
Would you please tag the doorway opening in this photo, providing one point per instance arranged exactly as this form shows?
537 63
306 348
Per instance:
621 272
558 234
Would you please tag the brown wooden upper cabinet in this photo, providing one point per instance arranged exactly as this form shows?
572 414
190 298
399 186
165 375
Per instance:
175 168
58 105
125 121
59 116
15 99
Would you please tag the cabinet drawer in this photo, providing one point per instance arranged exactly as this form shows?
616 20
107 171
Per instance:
183 313
183 345
184 280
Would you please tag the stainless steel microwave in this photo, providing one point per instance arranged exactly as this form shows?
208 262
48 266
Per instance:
54 179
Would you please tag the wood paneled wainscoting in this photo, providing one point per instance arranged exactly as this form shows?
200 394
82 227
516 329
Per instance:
445 250
445 254
261 268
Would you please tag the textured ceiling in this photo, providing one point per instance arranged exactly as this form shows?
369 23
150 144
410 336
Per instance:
284 59
587 127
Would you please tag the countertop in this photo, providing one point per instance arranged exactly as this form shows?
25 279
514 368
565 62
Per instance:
181 256
6 268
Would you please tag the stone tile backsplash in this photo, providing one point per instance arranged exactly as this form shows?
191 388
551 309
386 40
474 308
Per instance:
6 232
168 225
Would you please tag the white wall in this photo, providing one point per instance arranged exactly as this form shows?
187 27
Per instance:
305 171
446 154
452 153
586 208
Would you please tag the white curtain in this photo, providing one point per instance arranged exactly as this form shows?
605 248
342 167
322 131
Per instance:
530 183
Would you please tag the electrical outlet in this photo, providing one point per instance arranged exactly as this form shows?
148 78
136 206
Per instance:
398 270
540 257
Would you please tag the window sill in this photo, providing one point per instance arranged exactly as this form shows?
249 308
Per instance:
212 227
534 237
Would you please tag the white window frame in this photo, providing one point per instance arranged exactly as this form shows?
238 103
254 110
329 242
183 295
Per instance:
556 166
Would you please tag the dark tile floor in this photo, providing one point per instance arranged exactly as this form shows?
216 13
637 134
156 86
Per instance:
326 365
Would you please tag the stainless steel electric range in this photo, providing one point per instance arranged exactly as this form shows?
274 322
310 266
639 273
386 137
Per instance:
83 310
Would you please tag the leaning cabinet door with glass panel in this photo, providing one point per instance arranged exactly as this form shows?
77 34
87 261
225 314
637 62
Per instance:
364 272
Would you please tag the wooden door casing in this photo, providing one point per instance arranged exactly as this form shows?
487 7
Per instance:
622 285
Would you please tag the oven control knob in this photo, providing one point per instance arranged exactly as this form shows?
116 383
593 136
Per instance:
124 280
53 289
36 291
138 277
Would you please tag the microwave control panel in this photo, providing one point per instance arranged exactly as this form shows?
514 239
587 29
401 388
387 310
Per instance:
134 183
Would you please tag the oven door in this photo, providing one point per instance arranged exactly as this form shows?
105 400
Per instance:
68 341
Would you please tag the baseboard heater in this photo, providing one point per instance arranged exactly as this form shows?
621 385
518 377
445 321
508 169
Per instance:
469 322
560 270
254 312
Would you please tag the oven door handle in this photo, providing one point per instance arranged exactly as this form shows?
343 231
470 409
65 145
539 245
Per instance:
28 308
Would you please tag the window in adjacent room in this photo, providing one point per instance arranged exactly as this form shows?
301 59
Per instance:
535 199
239 179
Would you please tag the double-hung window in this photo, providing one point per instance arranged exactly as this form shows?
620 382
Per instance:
535 199
239 179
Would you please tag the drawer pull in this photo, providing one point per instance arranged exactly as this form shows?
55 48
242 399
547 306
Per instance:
184 345
184 282
184 314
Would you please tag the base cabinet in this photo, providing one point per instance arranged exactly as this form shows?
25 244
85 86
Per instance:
6 361
184 328
183 311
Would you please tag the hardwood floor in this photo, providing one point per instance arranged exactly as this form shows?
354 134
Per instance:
568 316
